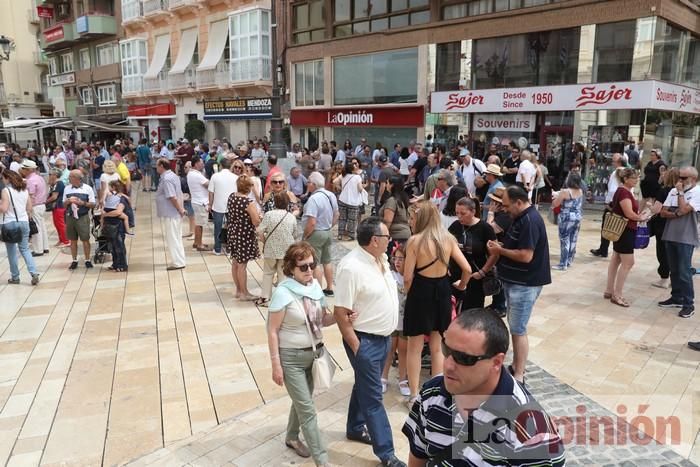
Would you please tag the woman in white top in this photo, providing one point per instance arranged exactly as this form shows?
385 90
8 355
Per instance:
404 169
16 209
109 174
349 201
168 151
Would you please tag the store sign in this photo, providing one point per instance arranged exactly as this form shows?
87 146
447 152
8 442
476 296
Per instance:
44 11
240 108
410 116
60 80
601 96
81 24
54 34
505 123
155 110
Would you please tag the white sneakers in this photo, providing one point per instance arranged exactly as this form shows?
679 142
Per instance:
662 283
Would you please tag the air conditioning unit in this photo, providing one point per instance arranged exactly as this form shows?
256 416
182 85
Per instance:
39 97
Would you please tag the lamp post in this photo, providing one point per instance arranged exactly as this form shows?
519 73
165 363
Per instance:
7 45
277 146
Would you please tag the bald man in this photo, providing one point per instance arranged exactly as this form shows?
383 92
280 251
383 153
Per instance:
78 200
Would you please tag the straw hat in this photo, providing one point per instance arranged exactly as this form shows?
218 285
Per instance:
494 169
497 194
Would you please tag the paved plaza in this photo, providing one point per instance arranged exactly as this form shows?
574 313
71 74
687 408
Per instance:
166 368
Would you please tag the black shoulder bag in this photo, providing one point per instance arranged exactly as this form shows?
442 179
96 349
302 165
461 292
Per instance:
8 234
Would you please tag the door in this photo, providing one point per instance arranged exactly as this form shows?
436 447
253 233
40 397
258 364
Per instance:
555 144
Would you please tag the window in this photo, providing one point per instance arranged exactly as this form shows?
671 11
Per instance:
84 55
381 78
86 95
250 45
365 16
309 21
482 7
107 95
131 9
106 54
53 65
448 66
308 83
134 63
691 70
666 63
614 49
66 63
535 59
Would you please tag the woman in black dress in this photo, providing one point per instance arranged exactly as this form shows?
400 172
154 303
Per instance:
472 234
652 173
428 307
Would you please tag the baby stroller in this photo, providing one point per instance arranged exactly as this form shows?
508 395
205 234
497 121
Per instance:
103 247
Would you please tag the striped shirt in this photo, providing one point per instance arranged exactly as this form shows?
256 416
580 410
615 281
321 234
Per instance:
508 429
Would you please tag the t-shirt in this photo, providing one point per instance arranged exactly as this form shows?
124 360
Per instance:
476 168
124 174
168 187
526 173
83 192
351 193
198 191
36 186
399 229
58 189
621 194
322 206
527 232
503 220
492 188
97 171
472 241
683 229
143 154
511 164
222 184
384 175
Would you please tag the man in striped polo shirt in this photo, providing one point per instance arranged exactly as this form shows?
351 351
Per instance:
477 413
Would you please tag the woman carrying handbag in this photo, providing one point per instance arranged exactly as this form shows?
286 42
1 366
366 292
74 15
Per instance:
16 209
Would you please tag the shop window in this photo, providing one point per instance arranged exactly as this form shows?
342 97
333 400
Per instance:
308 83
535 59
309 21
448 65
691 69
380 78
107 95
666 63
365 16
614 50
84 56
134 63
250 45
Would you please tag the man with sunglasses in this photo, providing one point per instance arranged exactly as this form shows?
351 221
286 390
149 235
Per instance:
367 288
681 238
476 407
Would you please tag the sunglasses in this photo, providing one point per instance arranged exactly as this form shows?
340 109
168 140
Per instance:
462 358
683 178
277 182
385 236
305 267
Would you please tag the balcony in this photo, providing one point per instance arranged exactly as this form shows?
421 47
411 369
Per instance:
132 11
183 5
155 8
93 25
251 69
40 58
157 85
183 81
58 36
132 85
219 77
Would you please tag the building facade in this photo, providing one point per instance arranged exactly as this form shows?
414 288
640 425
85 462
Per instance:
196 59
360 68
81 41
23 90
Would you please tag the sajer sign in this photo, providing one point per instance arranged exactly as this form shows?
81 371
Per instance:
598 96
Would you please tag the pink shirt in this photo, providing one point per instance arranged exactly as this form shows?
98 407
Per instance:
37 189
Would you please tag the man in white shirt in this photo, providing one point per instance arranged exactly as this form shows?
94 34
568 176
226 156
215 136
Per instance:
257 154
221 185
367 288
16 163
527 172
199 197
613 183
471 169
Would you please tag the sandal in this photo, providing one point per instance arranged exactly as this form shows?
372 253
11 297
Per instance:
607 295
248 298
620 301
260 301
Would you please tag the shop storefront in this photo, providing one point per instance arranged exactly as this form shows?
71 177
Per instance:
156 118
386 125
604 116
238 118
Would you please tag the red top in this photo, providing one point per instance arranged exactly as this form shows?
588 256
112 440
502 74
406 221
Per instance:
624 193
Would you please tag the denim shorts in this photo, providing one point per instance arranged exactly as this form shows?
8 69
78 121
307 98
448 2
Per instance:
521 300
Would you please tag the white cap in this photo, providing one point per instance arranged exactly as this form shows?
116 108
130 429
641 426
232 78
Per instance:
248 161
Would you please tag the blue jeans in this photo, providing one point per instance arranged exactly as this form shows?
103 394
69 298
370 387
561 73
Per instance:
218 225
23 250
568 236
521 301
679 260
366 404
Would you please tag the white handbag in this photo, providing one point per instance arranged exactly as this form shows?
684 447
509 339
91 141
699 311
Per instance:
323 367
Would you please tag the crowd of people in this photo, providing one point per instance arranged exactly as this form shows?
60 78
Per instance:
455 229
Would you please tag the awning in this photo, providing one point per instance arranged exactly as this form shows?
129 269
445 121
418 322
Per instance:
110 126
64 123
160 55
188 41
218 33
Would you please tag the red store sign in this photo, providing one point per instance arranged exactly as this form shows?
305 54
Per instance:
399 116
44 11
155 110
54 33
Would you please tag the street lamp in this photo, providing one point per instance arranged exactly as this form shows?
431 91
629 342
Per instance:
7 45
277 146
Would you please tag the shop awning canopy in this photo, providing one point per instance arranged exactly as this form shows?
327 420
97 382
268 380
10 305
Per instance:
160 55
71 124
188 42
627 95
218 33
